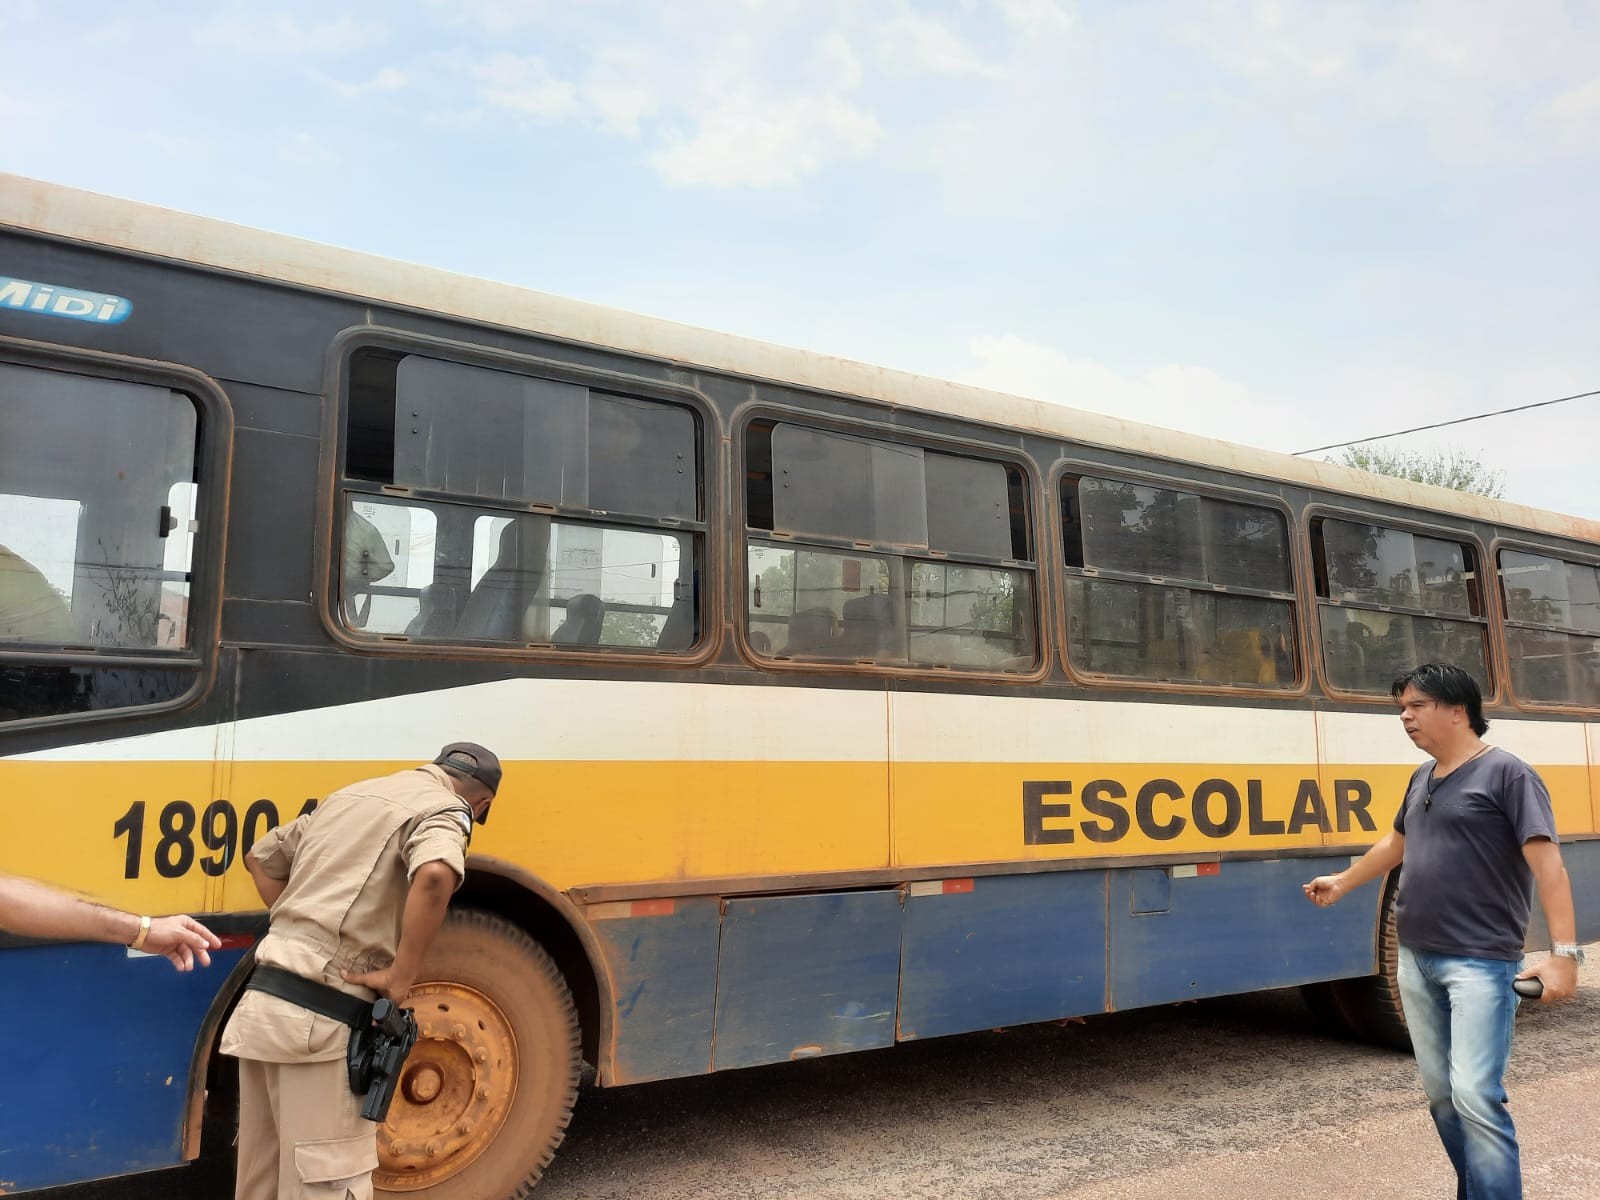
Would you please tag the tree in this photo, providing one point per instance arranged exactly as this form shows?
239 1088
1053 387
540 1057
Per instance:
1443 468
623 627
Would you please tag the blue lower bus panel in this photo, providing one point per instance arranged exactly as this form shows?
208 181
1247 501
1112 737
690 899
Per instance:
663 966
802 976
97 1063
1183 933
1003 950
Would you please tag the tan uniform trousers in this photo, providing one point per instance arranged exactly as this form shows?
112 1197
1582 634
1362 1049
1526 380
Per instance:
301 1133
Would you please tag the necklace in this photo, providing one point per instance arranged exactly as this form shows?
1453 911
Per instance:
1435 780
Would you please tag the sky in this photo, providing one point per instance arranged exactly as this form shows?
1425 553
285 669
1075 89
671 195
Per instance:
1283 223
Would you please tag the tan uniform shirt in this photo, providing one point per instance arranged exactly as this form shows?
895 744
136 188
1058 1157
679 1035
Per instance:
349 865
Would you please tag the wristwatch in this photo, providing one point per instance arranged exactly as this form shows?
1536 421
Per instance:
1568 950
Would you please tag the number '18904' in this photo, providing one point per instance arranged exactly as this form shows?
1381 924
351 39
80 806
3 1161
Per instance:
222 831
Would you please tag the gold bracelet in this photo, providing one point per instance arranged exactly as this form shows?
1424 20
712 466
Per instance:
144 933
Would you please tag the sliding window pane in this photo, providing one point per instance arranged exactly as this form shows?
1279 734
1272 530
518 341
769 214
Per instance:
1365 651
1177 634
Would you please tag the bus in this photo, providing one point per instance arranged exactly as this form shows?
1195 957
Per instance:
839 707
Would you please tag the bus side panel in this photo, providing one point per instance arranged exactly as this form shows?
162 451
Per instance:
662 959
803 976
111 1082
1582 860
1002 950
1179 933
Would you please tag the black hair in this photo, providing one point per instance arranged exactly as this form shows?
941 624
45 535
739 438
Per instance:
1448 685
455 772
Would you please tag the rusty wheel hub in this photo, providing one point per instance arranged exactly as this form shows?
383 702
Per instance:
455 1089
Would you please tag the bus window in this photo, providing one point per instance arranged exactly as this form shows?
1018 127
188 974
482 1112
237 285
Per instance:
387 563
1145 567
36 576
911 587
611 566
98 510
454 573
1552 610
972 616
1391 599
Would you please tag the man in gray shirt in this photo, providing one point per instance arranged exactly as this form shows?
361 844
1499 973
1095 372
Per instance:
1475 833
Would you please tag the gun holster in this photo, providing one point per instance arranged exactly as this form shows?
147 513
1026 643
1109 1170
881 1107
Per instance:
381 1034
377 1051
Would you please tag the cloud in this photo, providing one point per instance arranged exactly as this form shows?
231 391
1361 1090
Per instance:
930 46
1038 18
766 143
496 16
1581 103
284 34
389 79
1193 398
524 84
764 96
620 92
1471 82
184 146
303 149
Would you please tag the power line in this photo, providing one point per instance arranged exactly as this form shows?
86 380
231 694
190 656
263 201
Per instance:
1500 412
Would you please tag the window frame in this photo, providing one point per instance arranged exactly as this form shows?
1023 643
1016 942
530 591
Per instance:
742 534
212 464
1486 618
1299 565
334 483
1503 616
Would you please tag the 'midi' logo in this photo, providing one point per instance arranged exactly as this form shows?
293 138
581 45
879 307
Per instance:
51 301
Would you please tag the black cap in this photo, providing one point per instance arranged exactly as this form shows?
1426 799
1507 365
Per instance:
472 759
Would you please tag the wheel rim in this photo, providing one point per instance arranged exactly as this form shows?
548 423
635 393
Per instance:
455 1088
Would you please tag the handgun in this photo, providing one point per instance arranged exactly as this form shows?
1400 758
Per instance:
376 1054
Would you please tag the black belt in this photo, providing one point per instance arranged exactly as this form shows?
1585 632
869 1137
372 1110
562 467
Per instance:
318 997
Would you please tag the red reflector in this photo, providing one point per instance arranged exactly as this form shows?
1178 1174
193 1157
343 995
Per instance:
653 908
236 941
952 886
1208 868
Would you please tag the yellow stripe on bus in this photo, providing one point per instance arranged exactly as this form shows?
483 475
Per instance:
153 836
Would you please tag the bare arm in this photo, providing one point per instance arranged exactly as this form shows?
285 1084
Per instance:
431 888
269 887
1560 975
34 910
1385 856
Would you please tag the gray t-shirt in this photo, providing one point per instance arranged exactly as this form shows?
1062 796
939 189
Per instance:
1465 887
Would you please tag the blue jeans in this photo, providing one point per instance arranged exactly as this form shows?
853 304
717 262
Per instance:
1460 1013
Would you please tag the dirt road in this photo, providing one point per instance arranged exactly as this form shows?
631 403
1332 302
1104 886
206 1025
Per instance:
1239 1098
1242 1098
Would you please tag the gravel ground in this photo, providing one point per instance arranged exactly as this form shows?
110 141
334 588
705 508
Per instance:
1240 1098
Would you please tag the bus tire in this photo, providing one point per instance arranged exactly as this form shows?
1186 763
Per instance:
1369 1008
487 1091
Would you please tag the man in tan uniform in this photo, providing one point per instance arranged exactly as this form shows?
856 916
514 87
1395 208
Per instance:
357 888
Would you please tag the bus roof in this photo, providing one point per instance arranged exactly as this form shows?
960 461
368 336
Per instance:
144 229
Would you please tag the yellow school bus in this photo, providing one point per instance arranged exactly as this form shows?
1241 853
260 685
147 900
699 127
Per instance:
839 707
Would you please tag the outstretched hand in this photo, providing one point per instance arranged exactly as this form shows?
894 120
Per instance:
182 940
1324 891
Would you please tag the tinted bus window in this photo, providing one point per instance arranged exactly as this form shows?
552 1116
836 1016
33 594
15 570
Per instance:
1552 610
98 504
1123 546
614 568
893 593
1391 600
